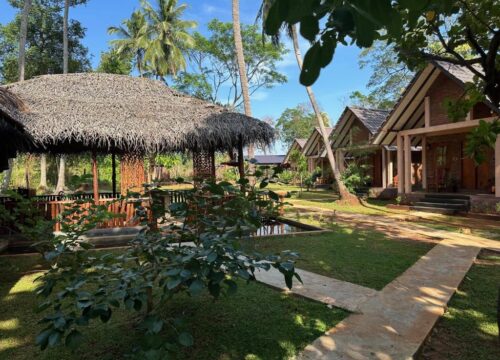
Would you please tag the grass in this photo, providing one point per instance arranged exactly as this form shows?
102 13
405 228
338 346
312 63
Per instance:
256 323
468 330
327 200
363 257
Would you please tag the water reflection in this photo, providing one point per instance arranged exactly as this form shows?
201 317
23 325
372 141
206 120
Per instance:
275 227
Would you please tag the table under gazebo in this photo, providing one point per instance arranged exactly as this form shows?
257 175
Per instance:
123 116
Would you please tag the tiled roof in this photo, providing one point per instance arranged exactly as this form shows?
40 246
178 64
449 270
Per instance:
328 130
459 72
269 159
301 142
371 118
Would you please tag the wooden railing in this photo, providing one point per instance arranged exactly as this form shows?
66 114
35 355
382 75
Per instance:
124 211
52 206
65 197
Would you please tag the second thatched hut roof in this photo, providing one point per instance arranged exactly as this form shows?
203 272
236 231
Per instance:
103 112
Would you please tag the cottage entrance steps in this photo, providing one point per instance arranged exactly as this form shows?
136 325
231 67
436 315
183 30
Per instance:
446 204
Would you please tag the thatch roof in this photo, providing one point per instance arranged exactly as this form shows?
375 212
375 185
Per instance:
78 112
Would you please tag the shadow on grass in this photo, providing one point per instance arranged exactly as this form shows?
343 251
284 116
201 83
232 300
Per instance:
256 323
361 256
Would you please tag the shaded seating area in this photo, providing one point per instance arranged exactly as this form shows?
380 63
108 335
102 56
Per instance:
125 116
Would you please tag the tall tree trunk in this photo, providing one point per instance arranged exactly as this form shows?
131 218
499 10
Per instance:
65 37
27 171
344 193
43 172
61 177
8 176
240 58
22 39
22 66
61 180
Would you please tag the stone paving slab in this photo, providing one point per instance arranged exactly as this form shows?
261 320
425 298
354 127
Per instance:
320 288
394 324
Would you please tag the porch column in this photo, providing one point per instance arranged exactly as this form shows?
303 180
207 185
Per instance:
390 168
384 168
427 109
401 169
407 161
424 162
497 167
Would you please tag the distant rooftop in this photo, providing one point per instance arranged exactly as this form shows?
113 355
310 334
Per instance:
269 159
371 118
301 142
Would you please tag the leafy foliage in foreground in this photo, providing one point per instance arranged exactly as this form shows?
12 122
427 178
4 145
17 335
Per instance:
201 252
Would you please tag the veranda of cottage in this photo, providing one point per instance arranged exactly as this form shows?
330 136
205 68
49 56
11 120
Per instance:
420 119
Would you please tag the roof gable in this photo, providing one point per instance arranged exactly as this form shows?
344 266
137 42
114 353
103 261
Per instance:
314 140
409 111
369 119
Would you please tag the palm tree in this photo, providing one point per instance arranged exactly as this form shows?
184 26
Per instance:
292 33
240 58
168 37
133 39
22 39
22 66
65 37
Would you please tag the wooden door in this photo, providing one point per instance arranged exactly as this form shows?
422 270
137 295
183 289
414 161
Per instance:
377 169
486 173
468 173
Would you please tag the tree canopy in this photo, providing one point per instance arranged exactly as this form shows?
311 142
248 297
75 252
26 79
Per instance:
389 77
410 26
213 71
44 47
297 123
114 63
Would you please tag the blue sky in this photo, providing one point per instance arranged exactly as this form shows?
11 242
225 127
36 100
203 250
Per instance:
332 89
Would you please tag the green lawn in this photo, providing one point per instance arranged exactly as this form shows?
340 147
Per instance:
468 330
364 257
256 323
327 199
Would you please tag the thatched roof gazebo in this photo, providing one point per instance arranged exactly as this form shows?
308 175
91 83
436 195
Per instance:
116 114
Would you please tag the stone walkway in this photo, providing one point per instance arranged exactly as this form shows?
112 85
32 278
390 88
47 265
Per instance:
320 288
392 324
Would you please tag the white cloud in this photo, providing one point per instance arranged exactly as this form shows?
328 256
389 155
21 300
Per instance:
260 96
212 9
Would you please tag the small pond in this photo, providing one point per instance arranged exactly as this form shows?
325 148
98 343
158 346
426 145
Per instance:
282 227
108 238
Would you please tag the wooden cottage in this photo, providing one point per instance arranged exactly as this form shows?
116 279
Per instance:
351 140
313 151
421 119
297 145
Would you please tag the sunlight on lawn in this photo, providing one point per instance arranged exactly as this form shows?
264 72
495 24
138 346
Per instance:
25 284
11 324
229 328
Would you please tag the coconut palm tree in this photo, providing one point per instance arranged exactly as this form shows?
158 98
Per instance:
168 37
240 58
292 33
132 39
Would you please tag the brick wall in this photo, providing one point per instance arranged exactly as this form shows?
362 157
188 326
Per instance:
442 89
